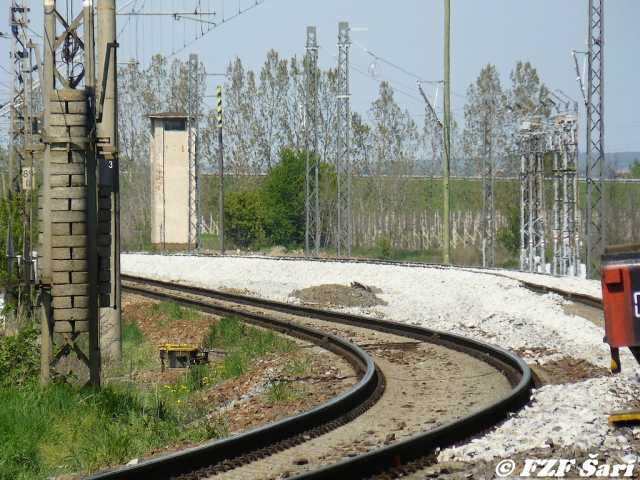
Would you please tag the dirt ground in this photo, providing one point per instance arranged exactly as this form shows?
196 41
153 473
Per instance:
159 329
335 295
245 401
594 315
308 375
567 370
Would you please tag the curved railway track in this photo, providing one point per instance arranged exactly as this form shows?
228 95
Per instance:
251 446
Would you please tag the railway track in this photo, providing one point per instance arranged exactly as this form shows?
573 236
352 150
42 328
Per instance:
252 454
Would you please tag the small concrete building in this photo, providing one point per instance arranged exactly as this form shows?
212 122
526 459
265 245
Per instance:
173 182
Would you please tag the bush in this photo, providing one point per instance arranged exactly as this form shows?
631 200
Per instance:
509 236
9 216
274 213
19 358
243 218
384 248
283 194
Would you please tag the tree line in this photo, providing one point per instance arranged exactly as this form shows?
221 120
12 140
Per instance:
263 114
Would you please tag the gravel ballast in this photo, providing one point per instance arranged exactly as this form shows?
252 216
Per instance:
495 309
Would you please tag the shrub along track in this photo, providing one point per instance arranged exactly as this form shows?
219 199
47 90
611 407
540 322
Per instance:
459 374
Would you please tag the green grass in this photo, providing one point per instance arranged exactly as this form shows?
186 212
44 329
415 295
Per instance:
63 429
299 367
137 353
174 311
281 392
209 241
243 344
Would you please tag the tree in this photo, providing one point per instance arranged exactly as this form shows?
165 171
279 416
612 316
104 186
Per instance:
241 128
394 147
272 91
527 98
274 213
283 199
634 169
485 131
244 217
360 145
528 95
4 168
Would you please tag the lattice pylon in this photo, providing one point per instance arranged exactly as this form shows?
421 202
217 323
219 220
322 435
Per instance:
312 170
570 230
343 153
595 227
22 132
565 232
532 220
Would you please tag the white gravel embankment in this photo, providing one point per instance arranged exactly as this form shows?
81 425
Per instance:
486 307
570 284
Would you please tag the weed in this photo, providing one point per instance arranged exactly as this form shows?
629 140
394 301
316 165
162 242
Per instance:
384 248
60 428
243 344
233 365
197 377
281 392
132 334
174 311
137 353
19 358
227 333
215 427
299 367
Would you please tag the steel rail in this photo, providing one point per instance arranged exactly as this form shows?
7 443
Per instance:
416 447
320 419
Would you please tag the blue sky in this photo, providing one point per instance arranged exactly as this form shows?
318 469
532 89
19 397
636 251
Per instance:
408 33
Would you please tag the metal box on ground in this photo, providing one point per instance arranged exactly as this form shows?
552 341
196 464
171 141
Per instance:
181 355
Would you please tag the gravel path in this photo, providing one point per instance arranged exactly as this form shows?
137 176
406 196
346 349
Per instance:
492 308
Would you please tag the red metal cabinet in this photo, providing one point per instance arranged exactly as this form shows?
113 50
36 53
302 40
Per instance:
621 298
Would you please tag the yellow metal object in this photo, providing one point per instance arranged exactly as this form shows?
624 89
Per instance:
182 355
178 347
616 367
625 417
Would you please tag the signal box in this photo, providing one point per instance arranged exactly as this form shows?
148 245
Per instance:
621 295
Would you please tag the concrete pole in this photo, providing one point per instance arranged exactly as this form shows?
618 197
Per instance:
220 170
110 317
446 160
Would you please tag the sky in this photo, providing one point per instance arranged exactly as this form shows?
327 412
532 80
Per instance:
407 33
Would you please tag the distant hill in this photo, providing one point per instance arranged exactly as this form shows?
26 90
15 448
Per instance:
619 161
